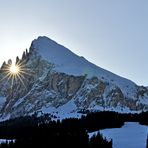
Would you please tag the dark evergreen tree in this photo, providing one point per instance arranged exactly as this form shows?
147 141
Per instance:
97 141
42 132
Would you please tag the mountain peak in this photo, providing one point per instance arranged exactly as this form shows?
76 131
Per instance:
43 40
49 49
57 54
66 61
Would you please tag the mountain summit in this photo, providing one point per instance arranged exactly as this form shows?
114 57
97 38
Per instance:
67 62
55 80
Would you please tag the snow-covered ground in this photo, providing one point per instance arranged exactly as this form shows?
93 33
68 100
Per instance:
6 141
131 135
68 110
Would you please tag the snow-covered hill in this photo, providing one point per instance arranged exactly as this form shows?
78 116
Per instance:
57 81
131 135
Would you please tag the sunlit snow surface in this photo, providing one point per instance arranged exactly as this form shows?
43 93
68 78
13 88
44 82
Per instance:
131 135
67 62
68 110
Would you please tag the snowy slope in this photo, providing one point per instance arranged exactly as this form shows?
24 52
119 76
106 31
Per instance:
68 110
131 135
70 63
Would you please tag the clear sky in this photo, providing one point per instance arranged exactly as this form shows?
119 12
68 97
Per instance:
113 34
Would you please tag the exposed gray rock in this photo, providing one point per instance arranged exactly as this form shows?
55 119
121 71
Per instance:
41 86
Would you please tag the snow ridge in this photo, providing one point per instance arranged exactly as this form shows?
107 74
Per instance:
67 62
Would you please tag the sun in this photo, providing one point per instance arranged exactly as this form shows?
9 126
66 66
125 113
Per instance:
16 72
14 69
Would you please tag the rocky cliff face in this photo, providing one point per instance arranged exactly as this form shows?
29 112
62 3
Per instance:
43 87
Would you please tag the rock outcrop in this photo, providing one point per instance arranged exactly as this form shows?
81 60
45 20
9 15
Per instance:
41 87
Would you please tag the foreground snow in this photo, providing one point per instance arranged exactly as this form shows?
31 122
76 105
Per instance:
6 141
131 135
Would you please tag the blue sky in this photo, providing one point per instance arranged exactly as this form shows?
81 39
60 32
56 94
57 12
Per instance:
113 34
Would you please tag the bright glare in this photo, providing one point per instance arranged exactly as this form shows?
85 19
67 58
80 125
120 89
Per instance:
15 72
14 69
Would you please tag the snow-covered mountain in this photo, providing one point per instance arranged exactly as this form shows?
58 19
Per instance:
55 80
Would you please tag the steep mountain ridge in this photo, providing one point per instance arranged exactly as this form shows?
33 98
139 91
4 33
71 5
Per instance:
67 62
59 82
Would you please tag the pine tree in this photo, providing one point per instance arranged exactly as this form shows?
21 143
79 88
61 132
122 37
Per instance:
97 141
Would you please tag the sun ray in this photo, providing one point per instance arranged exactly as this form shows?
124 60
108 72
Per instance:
5 77
12 81
9 77
16 72
21 81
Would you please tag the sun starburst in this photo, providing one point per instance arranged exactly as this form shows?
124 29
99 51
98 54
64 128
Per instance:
15 72
14 69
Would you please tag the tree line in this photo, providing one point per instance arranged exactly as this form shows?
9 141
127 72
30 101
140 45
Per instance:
33 131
